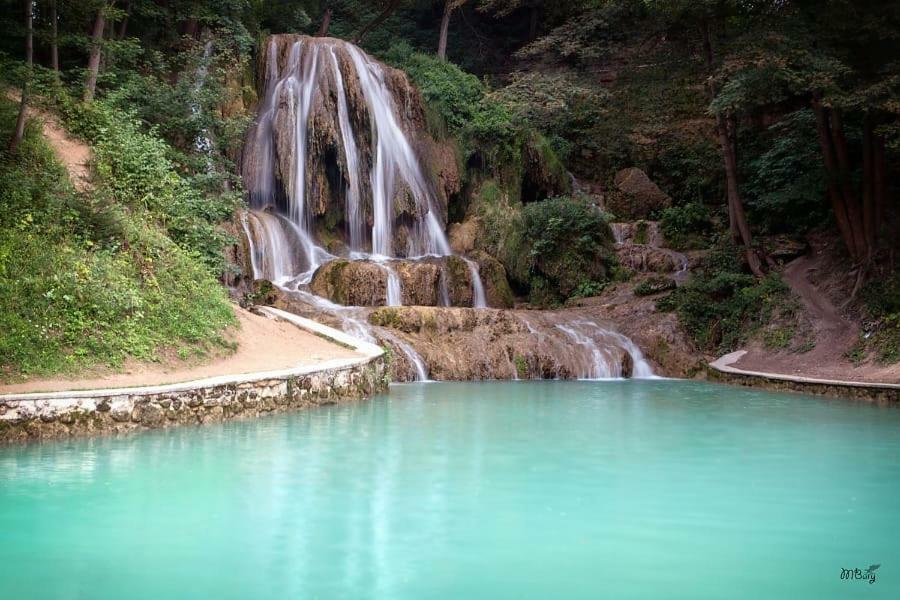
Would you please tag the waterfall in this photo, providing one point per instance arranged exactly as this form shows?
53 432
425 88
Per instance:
479 300
601 349
329 118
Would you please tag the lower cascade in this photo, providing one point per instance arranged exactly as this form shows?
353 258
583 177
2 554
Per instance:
343 215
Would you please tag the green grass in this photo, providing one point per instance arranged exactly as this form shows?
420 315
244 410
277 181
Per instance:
86 279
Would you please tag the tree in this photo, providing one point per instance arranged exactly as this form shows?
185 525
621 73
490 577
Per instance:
326 23
93 67
389 7
54 38
19 131
449 7
123 25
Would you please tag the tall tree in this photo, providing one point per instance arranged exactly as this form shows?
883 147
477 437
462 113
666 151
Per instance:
449 7
54 37
93 68
726 131
19 131
326 22
123 24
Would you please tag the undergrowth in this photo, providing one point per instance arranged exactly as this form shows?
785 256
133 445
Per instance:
94 278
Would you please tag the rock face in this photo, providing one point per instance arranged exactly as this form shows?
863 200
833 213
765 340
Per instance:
463 344
637 195
430 281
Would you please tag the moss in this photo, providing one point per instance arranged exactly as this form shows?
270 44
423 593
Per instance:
521 366
640 232
459 280
385 317
336 280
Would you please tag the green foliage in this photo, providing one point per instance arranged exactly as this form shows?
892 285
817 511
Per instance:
721 306
79 288
881 300
566 250
654 284
784 185
686 227
135 171
587 289
461 101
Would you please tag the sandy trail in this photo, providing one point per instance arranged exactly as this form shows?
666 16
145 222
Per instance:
264 344
834 333
74 154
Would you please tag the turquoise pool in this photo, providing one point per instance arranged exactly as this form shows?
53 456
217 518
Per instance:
631 489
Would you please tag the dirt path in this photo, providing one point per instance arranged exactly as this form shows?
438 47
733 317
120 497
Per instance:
813 279
74 154
264 344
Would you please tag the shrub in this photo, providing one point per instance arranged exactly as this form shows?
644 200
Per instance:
721 306
686 227
566 249
881 301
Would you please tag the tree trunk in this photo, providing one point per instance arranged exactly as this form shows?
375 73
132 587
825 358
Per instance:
533 24
445 28
54 38
19 131
389 9
868 182
123 26
90 86
326 23
737 218
850 216
726 130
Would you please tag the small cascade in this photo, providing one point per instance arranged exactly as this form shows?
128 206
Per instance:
203 142
479 300
414 358
271 251
598 363
331 145
394 293
443 288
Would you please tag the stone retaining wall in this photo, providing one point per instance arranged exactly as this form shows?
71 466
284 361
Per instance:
868 393
84 413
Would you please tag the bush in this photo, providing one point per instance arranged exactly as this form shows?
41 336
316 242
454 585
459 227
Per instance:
460 100
686 227
566 250
721 306
881 301
134 171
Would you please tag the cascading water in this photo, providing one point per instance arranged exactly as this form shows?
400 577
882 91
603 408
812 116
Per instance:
329 128
331 172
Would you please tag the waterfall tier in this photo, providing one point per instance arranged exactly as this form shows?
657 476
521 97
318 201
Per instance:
336 165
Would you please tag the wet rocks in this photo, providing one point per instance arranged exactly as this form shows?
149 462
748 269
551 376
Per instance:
430 281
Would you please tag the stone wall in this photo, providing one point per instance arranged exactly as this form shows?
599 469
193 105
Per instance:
60 415
881 395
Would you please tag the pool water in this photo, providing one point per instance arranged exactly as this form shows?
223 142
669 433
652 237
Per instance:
630 489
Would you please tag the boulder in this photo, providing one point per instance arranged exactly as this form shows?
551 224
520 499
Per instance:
422 281
636 196
639 257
